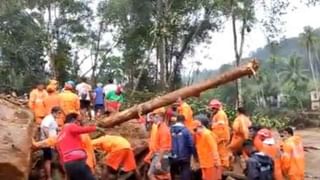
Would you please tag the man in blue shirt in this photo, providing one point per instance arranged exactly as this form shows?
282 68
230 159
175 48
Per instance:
98 100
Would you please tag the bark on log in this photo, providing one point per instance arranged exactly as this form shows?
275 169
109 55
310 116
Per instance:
194 90
15 140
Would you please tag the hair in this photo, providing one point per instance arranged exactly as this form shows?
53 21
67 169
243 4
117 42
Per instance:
83 79
55 109
289 130
241 110
248 144
110 81
203 119
72 117
181 118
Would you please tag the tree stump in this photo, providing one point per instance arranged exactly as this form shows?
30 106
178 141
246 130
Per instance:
15 141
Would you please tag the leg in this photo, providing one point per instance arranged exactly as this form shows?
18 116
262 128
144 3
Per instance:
185 170
47 156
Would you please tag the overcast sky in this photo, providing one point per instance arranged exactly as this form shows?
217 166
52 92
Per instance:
220 51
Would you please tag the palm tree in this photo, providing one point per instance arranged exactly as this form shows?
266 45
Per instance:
309 39
293 73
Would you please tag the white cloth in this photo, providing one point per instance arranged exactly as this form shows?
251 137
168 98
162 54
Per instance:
49 124
269 141
84 89
109 88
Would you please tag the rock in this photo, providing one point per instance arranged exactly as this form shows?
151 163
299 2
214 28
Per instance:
15 141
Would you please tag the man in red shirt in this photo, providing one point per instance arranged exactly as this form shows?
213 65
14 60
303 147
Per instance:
71 152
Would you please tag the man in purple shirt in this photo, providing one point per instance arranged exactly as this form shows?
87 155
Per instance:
98 100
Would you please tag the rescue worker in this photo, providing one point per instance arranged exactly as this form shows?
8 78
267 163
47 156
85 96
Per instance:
119 155
293 155
69 102
52 100
240 131
185 109
49 129
114 100
259 166
36 102
54 84
182 149
207 152
272 149
70 149
86 143
220 127
160 166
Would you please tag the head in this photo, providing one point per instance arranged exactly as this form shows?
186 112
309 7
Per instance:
56 111
181 118
99 85
83 79
40 86
72 118
248 147
51 88
158 115
287 132
253 130
69 85
241 110
119 90
197 127
110 81
264 134
215 105
203 119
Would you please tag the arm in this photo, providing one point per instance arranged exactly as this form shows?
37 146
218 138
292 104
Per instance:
77 104
213 146
190 143
31 100
76 129
285 159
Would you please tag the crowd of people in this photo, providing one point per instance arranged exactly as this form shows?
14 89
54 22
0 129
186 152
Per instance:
177 138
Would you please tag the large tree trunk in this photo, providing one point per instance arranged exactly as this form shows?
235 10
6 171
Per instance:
194 90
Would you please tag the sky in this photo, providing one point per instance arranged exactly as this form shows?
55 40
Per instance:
221 51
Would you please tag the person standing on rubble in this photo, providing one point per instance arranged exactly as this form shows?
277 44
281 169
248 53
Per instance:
160 165
220 127
36 102
71 152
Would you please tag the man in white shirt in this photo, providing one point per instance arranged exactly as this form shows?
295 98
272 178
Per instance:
84 92
48 129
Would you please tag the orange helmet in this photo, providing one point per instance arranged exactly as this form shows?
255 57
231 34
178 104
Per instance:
266 133
214 103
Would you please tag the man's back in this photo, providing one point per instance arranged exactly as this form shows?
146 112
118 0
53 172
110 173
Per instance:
108 88
182 143
259 167
98 95
84 90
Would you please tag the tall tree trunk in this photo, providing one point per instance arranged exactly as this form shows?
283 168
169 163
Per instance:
194 90
162 60
53 69
97 49
311 66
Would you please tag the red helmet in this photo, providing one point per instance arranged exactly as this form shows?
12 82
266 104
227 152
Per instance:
265 133
214 103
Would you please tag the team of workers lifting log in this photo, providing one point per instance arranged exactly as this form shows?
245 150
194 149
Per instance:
177 138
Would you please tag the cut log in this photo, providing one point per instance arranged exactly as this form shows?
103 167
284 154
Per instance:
15 139
194 90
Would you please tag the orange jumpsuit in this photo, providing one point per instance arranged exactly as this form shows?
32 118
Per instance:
69 103
292 161
220 127
52 100
185 110
208 155
153 133
88 147
36 104
240 129
119 152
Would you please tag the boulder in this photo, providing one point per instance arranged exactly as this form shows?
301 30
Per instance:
15 141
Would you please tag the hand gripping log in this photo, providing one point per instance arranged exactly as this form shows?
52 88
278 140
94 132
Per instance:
185 92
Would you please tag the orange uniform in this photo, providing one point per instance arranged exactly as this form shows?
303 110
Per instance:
88 147
185 110
208 155
36 104
152 140
69 103
220 127
292 161
52 100
240 129
274 152
119 152
162 138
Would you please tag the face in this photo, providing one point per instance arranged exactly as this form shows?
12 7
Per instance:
198 130
40 87
285 135
214 110
57 114
157 118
